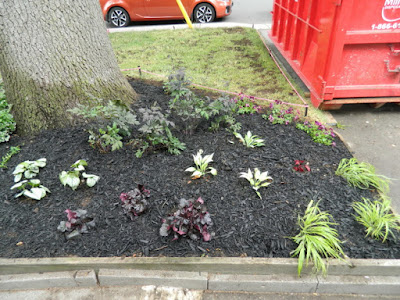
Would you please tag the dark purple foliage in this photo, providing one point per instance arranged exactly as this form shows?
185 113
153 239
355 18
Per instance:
78 222
301 166
134 202
190 220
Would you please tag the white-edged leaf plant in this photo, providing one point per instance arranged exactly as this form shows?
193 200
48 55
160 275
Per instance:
201 167
72 178
249 140
28 169
257 179
31 189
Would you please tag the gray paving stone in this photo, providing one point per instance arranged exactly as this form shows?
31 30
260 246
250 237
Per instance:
189 280
263 283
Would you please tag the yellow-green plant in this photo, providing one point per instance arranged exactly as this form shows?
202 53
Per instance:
249 140
202 167
257 179
317 239
362 175
377 218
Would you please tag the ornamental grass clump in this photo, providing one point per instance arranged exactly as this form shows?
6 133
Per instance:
362 175
202 167
190 220
257 179
316 240
375 215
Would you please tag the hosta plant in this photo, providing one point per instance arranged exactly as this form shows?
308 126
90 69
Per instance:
362 175
31 189
257 179
28 169
201 167
301 166
377 218
190 220
78 222
316 240
134 202
249 140
72 177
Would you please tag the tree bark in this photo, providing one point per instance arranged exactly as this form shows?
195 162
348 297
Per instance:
53 55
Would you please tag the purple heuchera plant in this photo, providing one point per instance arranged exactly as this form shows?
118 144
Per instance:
134 202
78 222
190 220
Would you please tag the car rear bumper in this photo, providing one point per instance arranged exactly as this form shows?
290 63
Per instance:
224 9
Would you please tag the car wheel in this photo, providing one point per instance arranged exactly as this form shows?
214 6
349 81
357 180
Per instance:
118 17
204 13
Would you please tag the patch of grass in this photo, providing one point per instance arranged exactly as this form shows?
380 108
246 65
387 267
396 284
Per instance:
317 239
233 59
362 175
377 218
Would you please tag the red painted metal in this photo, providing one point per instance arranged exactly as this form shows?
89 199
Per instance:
341 49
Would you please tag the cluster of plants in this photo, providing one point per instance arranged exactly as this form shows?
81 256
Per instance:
278 113
7 123
29 187
73 177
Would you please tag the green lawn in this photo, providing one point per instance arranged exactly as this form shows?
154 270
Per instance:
233 59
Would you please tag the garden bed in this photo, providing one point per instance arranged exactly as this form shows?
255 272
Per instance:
244 225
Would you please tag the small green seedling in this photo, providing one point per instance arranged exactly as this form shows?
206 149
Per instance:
257 179
72 178
7 157
202 167
31 189
249 140
28 169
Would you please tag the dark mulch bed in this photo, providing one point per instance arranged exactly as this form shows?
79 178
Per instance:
244 225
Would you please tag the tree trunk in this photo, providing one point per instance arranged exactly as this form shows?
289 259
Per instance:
53 55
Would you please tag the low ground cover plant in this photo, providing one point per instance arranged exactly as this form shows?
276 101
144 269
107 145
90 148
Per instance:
317 239
257 179
8 155
318 132
78 223
279 114
191 220
362 175
201 167
377 218
134 202
7 123
72 178
246 105
30 189
249 140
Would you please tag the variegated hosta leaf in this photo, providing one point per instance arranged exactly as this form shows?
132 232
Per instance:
91 179
191 169
213 171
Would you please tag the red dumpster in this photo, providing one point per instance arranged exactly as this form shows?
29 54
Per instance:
345 51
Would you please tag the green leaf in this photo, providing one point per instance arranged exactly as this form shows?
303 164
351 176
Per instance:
35 193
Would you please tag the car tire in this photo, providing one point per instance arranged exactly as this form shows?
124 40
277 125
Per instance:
118 17
204 13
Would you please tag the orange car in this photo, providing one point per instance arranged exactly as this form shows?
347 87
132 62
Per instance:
121 12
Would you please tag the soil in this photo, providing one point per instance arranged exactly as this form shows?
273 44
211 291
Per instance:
244 225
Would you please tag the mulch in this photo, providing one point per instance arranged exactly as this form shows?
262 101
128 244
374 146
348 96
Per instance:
244 225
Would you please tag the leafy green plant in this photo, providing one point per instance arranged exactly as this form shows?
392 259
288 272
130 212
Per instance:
201 167
31 189
377 218
257 179
316 239
106 139
318 132
78 223
7 157
28 169
249 140
245 105
72 177
178 85
156 132
362 175
278 114
7 124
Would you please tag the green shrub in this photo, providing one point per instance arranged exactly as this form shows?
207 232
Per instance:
316 239
362 175
377 218
7 124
